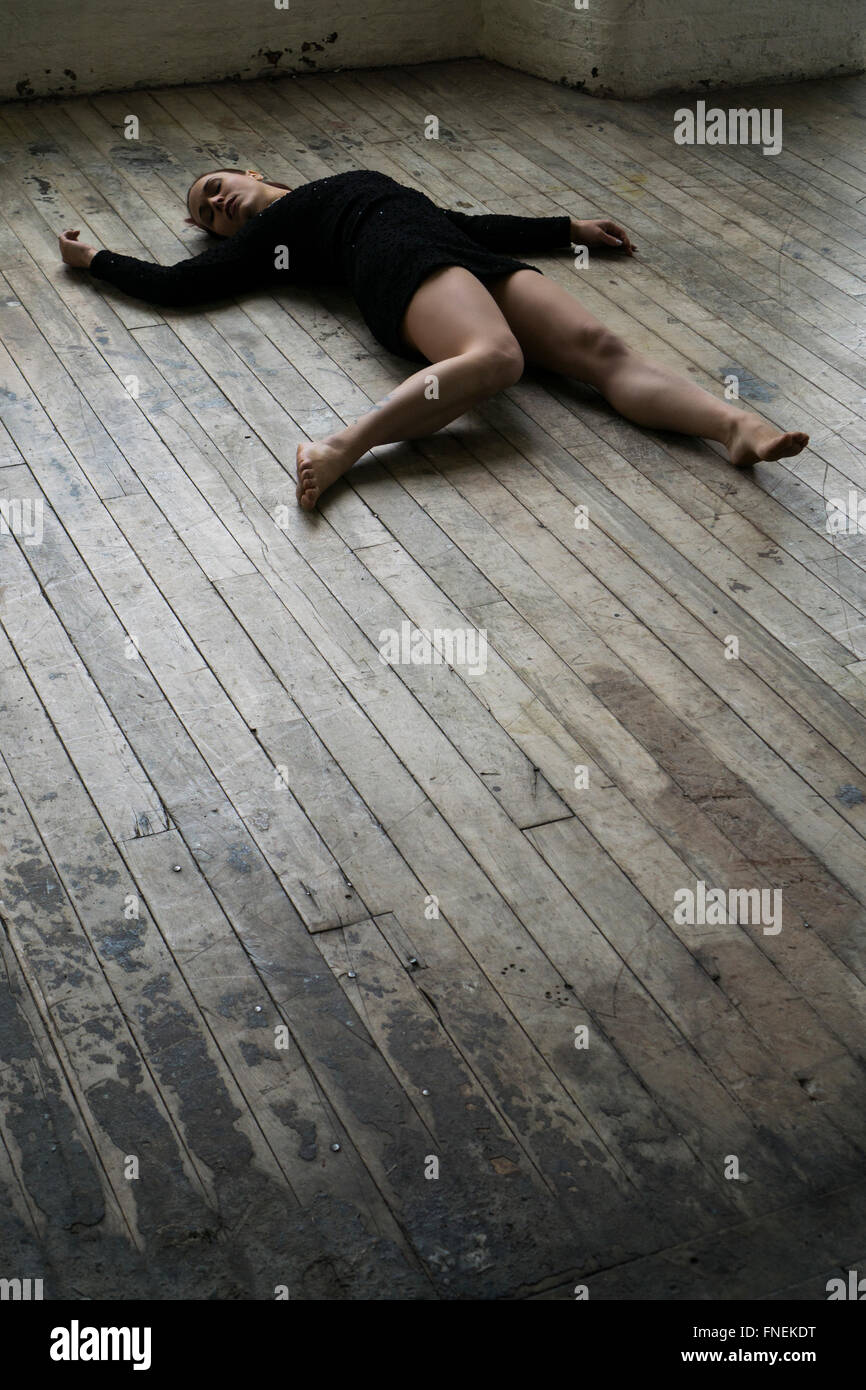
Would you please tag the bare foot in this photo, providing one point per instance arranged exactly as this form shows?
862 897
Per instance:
318 465
754 439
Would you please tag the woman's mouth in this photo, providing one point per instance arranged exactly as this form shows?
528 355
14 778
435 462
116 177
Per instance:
231 205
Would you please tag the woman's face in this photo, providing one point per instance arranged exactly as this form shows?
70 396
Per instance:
224 200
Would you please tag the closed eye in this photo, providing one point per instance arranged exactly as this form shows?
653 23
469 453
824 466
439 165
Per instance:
212 186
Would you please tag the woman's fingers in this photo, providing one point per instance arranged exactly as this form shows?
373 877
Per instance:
603 231
73 251
621 234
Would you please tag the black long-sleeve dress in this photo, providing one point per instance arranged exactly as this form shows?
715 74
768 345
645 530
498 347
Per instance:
360 229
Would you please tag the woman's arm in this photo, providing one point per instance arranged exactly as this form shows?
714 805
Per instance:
231 266
503 232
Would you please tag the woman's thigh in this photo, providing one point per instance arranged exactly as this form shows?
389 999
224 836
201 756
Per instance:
452 312
553 328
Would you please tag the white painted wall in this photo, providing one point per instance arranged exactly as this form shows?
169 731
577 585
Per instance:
53 47
635 48
624 48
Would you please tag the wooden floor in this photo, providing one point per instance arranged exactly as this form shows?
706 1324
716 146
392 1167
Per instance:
236 1033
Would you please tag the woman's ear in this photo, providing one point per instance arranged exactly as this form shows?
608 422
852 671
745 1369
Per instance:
254 174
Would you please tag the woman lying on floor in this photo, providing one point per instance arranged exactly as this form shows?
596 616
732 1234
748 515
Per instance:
432 286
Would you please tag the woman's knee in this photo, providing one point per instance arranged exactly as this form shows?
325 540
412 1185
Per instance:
603 350
498 361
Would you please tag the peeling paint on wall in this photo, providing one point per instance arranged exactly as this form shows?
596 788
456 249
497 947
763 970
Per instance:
55 49
642 50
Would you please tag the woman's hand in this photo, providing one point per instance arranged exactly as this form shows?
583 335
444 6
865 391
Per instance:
75 252
601 231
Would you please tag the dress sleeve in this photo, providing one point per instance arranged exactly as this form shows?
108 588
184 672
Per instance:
235 264
501 232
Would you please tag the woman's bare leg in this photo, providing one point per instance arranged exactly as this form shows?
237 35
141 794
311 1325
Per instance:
454 322
555 331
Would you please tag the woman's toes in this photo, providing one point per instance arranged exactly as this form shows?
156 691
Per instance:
756 440
318 465
785 446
